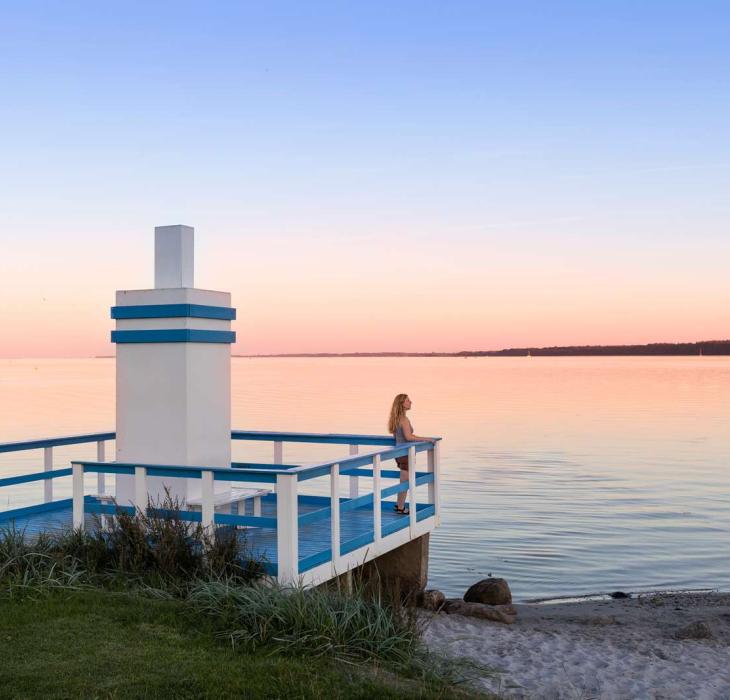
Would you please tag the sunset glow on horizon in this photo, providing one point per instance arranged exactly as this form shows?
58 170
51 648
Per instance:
368 179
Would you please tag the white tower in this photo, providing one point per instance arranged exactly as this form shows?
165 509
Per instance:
173 372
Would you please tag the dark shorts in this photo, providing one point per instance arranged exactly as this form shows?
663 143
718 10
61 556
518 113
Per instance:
402 462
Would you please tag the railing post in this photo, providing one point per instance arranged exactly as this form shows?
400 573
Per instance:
412 490
335 513
140 489
437 481
77 479
100 477
377 527
207 507
278 452
354 480
47 466
287 528
430 469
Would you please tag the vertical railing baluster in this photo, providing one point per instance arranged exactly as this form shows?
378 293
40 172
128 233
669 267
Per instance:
430 469
354 480
100 477
207 507
140 489
278 452
437 480
287 528
335 514
377 527
412 490
47 466
77 479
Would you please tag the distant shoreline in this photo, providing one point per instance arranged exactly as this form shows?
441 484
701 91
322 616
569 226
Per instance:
705 347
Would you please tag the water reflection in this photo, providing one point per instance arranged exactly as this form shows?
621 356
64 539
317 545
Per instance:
565 475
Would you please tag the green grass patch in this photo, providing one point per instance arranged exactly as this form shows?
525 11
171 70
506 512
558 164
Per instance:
101 644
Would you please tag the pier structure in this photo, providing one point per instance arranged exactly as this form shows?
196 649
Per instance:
174 435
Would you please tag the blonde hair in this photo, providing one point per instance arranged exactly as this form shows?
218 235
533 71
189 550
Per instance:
396 412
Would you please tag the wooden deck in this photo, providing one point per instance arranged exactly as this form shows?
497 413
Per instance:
294 532
356 528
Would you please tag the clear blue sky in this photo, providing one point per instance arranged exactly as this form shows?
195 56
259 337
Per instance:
558 149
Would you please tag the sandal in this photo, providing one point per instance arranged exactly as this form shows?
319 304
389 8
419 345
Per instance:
402 511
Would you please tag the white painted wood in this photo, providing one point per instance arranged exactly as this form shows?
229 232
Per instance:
425 525
77 486
287 528
325 572
173 399
354 480
412 490
257 507
278 452
377 514
429 468
140 489
236 495
47 466
207 515
174 256
437 481
335 517
100 477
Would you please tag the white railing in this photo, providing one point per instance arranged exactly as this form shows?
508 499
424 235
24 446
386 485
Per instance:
294 509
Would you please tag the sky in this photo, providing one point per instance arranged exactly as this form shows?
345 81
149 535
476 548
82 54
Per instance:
380 176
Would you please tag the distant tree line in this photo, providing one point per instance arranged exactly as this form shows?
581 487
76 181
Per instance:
704 347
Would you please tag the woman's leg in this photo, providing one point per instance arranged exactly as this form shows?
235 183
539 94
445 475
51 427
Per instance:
402 494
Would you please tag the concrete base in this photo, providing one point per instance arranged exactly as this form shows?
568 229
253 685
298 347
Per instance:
403 570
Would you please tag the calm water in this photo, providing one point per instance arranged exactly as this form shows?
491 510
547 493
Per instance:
564 475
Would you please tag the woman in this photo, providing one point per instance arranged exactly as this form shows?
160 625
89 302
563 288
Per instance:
402 430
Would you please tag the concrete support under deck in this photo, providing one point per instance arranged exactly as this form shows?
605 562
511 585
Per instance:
403 569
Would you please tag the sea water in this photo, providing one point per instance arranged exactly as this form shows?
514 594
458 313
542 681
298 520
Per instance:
566 476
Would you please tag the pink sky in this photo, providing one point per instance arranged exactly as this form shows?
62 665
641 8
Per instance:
404 294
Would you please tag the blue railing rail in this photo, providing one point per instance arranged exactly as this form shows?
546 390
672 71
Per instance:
49 473
266 436
55 442
286 477
257 435
321 438
141 472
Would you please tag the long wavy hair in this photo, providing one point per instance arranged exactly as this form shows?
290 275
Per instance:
396 412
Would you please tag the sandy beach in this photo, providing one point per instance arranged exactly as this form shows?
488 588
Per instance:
654 646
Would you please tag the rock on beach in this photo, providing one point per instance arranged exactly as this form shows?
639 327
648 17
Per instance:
490 591
496 613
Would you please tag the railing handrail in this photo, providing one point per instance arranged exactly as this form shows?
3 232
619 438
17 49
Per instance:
56 442
261 435
360 459
331 438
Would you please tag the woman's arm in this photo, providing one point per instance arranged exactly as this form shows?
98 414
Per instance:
409 435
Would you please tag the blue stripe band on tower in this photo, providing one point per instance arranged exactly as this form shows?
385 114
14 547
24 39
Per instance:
224 313
174 335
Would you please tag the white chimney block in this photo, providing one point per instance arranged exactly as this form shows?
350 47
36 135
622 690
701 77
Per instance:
173 256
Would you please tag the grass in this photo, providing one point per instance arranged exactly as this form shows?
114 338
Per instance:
154 606
101 644
316 622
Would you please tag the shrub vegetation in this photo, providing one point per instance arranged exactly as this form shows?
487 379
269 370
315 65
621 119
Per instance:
153 565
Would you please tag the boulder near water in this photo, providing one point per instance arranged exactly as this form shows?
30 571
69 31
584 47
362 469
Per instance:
430 600
491 591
